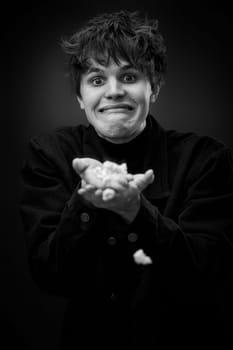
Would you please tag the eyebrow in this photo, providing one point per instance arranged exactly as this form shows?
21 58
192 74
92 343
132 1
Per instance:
94 69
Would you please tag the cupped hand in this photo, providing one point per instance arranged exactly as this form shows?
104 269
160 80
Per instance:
83 165
122 196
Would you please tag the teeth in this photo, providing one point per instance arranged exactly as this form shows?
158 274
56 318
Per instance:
116 107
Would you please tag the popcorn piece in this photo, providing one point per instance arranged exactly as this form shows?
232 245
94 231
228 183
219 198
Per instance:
108 172
108 194
141 258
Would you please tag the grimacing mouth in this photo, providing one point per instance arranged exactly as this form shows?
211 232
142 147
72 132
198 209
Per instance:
116 106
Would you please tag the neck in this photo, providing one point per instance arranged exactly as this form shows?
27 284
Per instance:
123 139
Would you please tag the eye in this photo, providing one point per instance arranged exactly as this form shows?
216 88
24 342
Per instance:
97 81
129 78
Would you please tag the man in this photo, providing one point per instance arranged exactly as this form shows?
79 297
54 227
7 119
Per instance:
145 265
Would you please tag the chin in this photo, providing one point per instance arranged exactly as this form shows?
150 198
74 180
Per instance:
118 134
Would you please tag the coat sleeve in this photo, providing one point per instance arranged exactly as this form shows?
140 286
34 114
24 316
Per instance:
63 233
197 246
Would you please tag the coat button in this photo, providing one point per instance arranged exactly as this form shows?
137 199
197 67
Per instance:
111 240
132 237
113 297
84 217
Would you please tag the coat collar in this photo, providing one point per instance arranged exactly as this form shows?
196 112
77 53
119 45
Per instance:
158 160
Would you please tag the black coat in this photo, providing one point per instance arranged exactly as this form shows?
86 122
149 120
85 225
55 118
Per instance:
185 225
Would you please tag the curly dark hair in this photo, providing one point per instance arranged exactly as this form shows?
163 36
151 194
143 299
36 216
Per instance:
119 36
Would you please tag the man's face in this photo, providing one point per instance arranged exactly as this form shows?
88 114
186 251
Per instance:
116 100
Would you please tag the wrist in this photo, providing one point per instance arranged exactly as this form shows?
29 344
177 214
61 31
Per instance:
130 213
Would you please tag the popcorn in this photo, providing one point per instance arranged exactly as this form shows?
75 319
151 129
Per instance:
109 171
108 194
141 258
103 177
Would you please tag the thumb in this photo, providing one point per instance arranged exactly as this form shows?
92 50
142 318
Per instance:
149 176
143 180
80 165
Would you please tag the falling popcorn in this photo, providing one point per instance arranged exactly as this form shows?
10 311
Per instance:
141 258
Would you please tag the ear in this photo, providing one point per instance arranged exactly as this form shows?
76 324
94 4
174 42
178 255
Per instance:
155 94
80 101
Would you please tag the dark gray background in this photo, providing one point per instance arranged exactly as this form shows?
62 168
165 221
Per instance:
197 96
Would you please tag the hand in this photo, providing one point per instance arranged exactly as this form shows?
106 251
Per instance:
121 196
83 165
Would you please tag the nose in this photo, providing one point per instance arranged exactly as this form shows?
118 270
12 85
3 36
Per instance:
114 89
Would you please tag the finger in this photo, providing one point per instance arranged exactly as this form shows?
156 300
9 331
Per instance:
80 165
87 188
83 183
143 180
98 192
108 194
149 176
89 195
97 196
90 188
81 191
137 180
